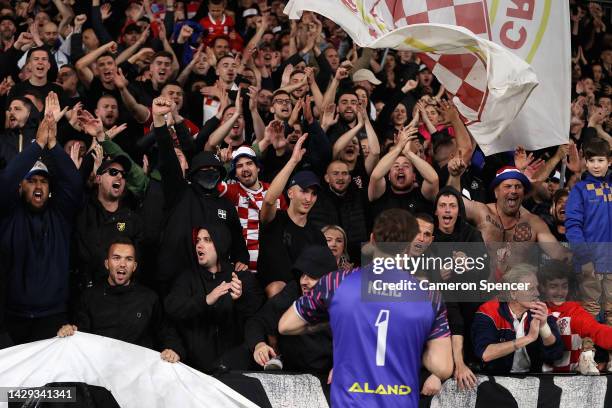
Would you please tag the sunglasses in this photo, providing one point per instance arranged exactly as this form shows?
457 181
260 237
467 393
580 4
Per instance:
113 172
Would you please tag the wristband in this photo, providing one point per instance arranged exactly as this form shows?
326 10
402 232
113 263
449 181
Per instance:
545 331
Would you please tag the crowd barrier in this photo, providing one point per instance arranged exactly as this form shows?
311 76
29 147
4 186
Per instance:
519 391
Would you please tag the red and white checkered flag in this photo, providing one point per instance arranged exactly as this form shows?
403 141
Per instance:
489 83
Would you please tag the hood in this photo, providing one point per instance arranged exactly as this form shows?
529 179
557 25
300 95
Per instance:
204 159
461 217
448 190
221 237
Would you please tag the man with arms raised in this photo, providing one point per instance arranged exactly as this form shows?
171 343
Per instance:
247 195
506 220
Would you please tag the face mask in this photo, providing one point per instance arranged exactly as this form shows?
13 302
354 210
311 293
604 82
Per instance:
207 179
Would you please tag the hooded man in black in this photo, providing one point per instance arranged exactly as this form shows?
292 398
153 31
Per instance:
210 303
306 353
454 237
190 202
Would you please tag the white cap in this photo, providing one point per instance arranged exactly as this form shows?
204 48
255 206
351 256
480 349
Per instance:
39 167
365 75
249 12
243 151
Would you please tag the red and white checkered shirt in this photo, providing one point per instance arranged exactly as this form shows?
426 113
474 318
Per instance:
248 204
574 324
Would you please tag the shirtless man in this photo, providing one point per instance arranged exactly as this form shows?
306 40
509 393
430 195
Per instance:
506 221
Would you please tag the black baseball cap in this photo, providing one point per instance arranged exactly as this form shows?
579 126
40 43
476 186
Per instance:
315 261
304 179
121 159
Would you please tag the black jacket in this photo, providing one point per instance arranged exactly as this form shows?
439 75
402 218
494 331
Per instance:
187 206
207 331
131 313
348 211
468 239
96 229
306 353
14 141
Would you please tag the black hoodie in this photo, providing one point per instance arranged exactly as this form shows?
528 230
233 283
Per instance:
188 205
460 311
207 331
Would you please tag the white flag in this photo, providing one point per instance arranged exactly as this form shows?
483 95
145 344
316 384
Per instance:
489 83
136 376
538 32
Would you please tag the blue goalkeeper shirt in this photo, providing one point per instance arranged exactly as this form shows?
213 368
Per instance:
378 341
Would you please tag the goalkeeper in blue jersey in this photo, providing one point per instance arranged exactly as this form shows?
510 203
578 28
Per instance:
379 342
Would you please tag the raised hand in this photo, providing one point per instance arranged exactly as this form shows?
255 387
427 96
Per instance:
80 20
286 74
253 92
298 150
115 130
297 109
449 111
308 116
574 161
409 85
161 107
75 156
6 85
456 166
521 159
341 73
98 155
184 34
105 11
120 80
330 116
52 106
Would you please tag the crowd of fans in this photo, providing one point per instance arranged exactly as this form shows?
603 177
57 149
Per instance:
176 174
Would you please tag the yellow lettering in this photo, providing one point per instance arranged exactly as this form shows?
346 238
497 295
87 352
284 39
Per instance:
381 390
355 388
404 390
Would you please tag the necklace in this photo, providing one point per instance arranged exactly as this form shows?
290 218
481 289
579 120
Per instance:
517 218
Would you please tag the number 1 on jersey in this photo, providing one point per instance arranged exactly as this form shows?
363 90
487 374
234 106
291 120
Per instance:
382 322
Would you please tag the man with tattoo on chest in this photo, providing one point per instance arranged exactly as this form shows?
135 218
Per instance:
505 224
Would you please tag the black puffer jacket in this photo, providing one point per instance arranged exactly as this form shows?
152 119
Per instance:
209 331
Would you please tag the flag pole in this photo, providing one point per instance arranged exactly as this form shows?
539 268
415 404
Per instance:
562 175
384 58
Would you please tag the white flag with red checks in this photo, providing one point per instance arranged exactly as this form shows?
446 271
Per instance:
489 83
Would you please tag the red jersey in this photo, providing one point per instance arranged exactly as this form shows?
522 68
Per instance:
575 323
248 205
223 27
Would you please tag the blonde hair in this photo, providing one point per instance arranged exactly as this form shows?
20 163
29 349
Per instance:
345 256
